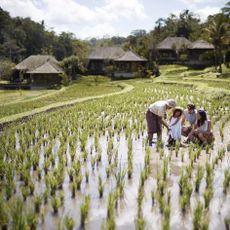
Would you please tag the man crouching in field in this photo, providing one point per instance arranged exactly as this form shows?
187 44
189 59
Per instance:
154 117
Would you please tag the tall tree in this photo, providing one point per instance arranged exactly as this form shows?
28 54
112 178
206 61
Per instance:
218 33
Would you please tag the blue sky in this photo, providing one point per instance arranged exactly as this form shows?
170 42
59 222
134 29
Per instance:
98 18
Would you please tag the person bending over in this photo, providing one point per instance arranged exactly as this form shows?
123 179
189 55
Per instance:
154 118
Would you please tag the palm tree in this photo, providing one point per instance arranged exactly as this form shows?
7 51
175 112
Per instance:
226 9
218 33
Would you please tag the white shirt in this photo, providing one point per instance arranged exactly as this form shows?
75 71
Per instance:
191 118
158 108
204 127
175 131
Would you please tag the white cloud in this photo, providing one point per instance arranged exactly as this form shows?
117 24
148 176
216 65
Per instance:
195 2
68 15
206 11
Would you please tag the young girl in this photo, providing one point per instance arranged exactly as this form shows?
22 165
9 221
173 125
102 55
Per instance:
202 130
175 126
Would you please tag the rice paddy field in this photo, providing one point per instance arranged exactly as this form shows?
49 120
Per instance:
88 166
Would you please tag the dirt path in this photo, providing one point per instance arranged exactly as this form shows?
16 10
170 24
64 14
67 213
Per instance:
22 117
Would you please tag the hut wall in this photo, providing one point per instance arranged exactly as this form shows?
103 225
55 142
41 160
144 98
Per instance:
45 79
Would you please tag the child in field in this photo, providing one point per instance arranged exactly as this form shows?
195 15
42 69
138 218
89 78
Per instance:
202 131
175 126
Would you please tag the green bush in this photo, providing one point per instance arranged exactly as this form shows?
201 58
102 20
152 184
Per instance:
6 69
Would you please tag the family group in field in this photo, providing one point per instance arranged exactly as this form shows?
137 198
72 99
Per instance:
191 123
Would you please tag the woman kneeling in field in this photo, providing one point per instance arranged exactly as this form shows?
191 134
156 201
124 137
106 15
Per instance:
202 130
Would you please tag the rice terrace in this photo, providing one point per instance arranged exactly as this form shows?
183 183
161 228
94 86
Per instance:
99 133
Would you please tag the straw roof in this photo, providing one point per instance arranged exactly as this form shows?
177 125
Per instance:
109 53
130 56
201 44
47 68
171 43
39 64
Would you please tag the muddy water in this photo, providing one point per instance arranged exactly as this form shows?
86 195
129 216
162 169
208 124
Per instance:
127 208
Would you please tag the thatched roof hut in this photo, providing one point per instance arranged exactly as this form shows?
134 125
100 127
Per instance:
45 63
174 43
40 70
46 68
104 58
129 56
201 45
106 53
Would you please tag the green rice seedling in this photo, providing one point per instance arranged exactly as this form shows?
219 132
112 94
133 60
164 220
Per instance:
53 185
207 149
111 205
46 166
197 216
69 223
162 202
62 198
184 201
228 147
161 153
55 203
52 160
208 194
189 170
130 169
31 187
199 176
25 192
31 220
87 176
227 223
98 157
161 187
18 214
153 196
4 216
226 182
209 175
93 161
177 148
39 173
168 197
165 168
100 187
72 153
166 217
84 209
73 187
147 159
71 173
37 203
120 181
140 223
221 153
77 167
46 195
140 197
35 161
108 171
142 177
159 145
78 181
84 155
182 157
221 130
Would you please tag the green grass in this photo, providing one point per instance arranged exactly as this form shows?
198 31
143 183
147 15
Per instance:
15 96
85 87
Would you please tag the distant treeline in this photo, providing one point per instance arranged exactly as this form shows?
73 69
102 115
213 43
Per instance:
21 37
